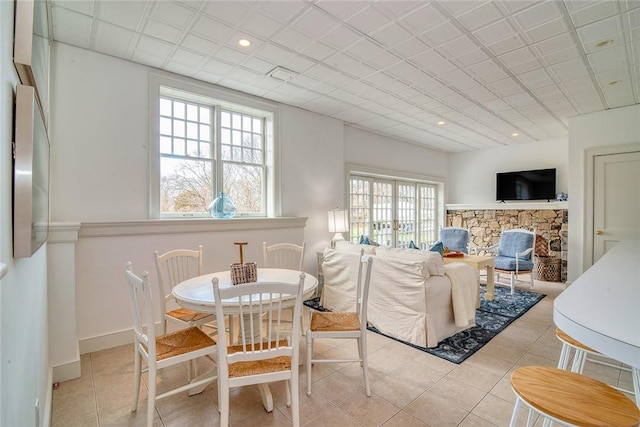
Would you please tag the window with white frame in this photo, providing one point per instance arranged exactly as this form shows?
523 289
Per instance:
394 211
206 145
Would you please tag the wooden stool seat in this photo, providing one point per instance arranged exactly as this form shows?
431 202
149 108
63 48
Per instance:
581 352
571 398
575 343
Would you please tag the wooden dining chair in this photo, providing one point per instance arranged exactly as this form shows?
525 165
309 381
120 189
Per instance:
158 352
263 353
344 325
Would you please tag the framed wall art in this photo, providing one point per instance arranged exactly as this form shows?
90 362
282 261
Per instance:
30 175
31 48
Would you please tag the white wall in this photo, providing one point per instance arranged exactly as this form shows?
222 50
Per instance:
100 173
606 130
373 150
311 188
24 368
473 173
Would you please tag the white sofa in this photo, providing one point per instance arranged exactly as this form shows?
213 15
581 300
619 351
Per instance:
413 296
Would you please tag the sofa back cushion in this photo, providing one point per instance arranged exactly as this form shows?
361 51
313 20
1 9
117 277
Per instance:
346 246
432 260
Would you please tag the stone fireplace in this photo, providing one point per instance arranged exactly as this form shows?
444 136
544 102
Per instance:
486 225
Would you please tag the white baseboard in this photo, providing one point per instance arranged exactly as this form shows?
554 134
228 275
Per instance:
46 421
114 339
104 342
66 372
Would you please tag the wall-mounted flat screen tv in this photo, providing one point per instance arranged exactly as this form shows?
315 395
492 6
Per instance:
539 184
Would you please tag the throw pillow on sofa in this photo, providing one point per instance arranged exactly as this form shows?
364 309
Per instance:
437 247
365 240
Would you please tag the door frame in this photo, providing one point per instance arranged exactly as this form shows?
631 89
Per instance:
589 188
380 173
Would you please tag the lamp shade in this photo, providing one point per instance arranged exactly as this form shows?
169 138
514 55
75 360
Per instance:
338 221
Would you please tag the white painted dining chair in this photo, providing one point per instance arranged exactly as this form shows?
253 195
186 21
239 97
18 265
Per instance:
162 351
344 325
284 255
263 353
174 267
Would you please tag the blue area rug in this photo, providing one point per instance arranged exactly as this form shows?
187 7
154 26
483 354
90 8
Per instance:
491 318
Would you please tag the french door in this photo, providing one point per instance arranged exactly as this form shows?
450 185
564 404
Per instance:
393 212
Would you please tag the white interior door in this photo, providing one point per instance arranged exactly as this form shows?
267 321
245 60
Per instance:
616 200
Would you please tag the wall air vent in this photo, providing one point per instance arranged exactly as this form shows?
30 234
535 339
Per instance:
281 73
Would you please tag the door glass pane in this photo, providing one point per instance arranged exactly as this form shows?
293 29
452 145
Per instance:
427 225
406 215
382 213
393 213
360 195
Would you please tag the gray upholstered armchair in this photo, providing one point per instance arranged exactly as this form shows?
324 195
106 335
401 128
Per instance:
455 238
514 254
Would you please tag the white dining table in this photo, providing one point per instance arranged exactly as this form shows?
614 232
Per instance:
601 308
197 294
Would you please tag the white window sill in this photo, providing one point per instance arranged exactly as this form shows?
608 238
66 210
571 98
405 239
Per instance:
185 225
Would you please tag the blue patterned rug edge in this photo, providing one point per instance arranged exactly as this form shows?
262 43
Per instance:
491 318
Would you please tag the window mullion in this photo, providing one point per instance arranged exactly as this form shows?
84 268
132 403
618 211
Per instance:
217 181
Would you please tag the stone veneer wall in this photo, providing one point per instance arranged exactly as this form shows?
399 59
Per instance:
486 225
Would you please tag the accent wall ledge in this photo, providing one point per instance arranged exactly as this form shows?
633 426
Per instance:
508 206
176 226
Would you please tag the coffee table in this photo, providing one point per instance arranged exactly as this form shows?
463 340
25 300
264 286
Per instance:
479 263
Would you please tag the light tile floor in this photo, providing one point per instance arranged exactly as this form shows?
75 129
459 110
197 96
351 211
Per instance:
409 387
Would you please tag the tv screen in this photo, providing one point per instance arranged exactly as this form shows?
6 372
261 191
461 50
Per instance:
537 184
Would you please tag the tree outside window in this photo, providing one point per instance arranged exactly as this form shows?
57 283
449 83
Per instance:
206 149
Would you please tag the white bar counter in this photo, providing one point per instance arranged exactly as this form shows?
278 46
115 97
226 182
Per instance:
601 309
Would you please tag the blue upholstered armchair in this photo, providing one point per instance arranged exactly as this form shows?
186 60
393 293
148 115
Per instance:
514 254
455 238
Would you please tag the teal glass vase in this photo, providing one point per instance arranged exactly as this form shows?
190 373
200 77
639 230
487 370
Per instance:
222 207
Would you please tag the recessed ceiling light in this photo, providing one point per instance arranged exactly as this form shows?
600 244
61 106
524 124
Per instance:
441 122
244 42
515 134
615 82
605 43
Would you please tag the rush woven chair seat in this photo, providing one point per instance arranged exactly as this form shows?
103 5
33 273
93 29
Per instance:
339 321
174 267
257 367
580 357
344 325
263 353
158 352
181 342
570 398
